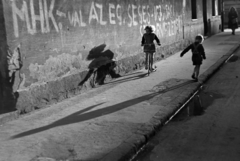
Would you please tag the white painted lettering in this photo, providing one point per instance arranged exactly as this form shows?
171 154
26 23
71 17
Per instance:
76 19
61 14
169 28
155 13
160 13
100 6
46 16
141 30
23 15
140 14
130 17
93 13
111 14
82 23
37 17
70 18
119 14
50 14
149 16
134 16
143 14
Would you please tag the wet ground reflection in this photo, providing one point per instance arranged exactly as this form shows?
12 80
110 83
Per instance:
196 107
234 58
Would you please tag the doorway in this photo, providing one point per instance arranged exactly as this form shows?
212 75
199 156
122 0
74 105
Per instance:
205 21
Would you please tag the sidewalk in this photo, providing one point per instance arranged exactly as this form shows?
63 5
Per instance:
110 121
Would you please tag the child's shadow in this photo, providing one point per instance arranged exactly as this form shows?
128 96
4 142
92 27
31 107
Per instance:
99 57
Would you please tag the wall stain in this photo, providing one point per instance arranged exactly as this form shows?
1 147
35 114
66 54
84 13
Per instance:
15 64
59 66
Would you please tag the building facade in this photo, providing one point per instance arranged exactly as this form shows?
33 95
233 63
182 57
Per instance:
44 43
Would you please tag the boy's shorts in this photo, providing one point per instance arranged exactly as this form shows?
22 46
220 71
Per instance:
197 60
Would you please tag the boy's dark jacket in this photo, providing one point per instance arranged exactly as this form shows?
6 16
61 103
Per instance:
199 49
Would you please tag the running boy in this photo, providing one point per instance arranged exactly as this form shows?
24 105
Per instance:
198 54
149 46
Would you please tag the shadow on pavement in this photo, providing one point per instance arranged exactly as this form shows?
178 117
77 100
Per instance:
81 116
134 73
122 80
161 89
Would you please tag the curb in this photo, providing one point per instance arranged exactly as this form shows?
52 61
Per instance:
9 117
215 67
128 149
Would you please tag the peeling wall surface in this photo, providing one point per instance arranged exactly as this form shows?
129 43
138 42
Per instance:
50 39
56 35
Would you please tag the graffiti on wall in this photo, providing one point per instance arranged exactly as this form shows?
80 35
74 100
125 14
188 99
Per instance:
43 16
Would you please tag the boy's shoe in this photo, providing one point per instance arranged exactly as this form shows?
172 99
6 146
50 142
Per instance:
153 70
193 76
196 79
146 67
117 76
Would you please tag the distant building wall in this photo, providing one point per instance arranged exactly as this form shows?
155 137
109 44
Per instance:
50 39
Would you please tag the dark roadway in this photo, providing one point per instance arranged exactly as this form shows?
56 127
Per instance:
206 130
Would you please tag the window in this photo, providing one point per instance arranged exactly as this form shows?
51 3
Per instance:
194 9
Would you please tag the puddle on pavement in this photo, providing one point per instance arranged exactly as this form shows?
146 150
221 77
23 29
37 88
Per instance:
233 59
196 107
